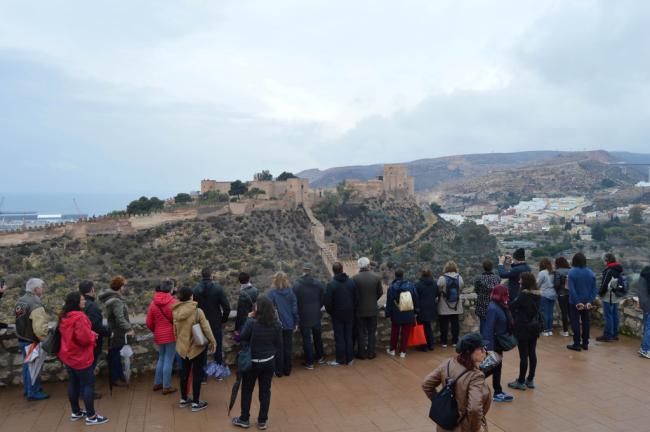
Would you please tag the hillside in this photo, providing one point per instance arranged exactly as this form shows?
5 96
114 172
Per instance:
382 230
260 243
566 174
428 173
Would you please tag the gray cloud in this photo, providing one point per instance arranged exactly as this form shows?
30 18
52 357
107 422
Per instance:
142 98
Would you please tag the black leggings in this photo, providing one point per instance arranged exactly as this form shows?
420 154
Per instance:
563 301
496 375
527 352
445 320
194 366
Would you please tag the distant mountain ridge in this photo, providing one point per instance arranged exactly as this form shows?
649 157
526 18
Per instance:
433 173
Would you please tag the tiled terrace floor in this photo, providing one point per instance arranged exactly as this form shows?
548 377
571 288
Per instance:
604 389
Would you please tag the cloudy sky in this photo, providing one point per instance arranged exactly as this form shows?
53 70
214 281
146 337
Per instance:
129 96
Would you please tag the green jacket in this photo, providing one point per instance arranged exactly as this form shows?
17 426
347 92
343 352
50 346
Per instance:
117 315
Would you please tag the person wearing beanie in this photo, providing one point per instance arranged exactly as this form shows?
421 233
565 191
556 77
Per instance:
470 390
117 315
511 268
368 289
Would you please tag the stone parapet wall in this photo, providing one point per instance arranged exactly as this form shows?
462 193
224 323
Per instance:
145 354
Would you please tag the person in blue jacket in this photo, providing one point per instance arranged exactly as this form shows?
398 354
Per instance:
582 294
402 321
511 268
286 304
498 322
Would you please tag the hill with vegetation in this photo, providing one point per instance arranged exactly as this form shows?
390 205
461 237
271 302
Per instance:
260 243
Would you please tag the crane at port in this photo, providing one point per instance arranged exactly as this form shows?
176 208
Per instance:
76 206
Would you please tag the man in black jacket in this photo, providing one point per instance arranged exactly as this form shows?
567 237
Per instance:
310 294
212 300
94 314
339 303
367 289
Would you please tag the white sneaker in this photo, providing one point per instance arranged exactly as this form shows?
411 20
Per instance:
390 352
645 354
565 334
444 345
402 355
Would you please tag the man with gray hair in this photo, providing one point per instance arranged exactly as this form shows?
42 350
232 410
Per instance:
368 290
31 327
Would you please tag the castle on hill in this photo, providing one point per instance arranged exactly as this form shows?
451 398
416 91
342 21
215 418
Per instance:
395 182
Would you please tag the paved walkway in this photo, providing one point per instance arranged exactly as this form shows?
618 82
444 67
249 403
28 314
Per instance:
604 389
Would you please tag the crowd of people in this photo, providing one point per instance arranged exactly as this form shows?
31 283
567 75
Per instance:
516 315
187 326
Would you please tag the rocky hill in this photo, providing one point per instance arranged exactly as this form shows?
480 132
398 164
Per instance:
502 178
565 174
260 243
396 234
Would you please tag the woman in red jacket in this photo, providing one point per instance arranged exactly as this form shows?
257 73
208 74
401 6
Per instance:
76 353
161 322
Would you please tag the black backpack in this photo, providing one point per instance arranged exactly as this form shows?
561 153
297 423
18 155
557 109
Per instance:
444 408
559 281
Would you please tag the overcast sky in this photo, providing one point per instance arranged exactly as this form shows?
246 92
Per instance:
144 95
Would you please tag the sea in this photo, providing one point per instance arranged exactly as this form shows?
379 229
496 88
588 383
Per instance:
91 204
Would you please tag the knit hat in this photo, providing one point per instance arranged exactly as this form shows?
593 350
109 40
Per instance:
520 254
470 342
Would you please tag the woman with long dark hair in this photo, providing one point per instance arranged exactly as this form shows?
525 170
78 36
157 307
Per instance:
498 323
76 353
560 275
470 390
525 311
263 332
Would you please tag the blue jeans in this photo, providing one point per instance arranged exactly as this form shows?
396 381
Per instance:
164 366
307 333
580 324
611 319
343 341
645 339
547 311
82 384
30 388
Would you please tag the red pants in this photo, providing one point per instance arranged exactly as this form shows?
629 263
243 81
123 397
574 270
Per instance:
395 330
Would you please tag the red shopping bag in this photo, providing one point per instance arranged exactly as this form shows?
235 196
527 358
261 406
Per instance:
417 337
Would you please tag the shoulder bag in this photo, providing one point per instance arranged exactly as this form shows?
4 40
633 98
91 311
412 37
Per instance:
198 338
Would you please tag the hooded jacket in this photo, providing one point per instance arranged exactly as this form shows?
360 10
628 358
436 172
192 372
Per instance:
186 314
368 290
160 319
643 289
496 324
77 341
392 302
427 290
525 312
286 304
339 298
310 294
612 271
447 307
212 300
470 391
117 315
